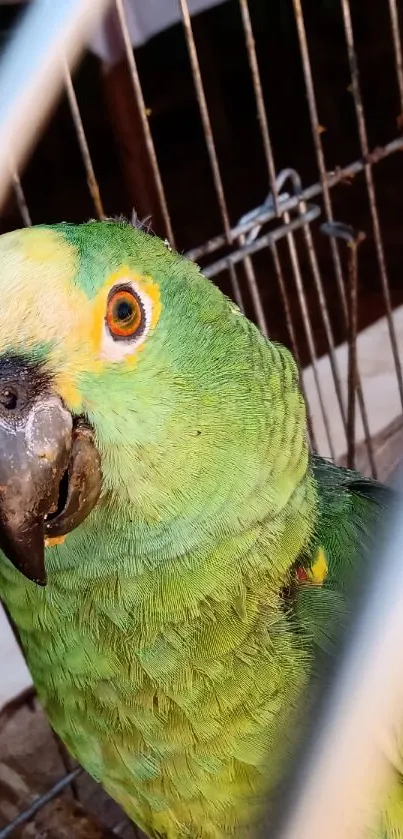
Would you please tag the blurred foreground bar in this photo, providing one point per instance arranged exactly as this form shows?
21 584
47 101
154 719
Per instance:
32 72
337 782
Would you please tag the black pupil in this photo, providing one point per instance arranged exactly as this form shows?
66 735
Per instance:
124 310
8 398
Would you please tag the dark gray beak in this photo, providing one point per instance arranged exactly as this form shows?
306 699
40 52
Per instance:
50 477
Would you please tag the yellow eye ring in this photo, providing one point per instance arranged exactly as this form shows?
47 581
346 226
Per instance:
125 315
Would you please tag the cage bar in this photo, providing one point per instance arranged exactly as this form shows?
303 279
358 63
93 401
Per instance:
325 316
215 167
83 144
333 178
397 46
261 110
250 247
138 93
317 143
296 270
40 802
327 202
236 288
244 239
205 118
254 291
293 338
362 132
352 349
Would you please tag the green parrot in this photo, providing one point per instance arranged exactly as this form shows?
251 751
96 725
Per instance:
174 557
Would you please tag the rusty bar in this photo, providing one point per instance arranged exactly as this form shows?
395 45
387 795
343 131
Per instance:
293 338
342 231
352 351
40 802
20 198
205 118
261 110
247 261
325 317
315 124
397 46
285 302
362 132
82 142
254 291
236 288
135 78
307 326
367 433
255 294
348 234
31 74
327 201
332 179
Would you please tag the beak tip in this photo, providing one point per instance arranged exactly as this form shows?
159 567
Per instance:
27 554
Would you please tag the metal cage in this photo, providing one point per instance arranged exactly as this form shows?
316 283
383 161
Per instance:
284 227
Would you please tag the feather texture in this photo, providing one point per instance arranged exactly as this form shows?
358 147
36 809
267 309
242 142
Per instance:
163 648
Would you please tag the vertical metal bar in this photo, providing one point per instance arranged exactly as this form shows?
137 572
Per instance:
82 142
144 119
285 302
345 232
293 338
352 350
257 86
394 19
308 329
205 117
314 119
320 158
20 198
325 316
236 288
362 132
353 239
254 290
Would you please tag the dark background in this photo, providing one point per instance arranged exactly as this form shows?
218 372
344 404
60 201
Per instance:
54 179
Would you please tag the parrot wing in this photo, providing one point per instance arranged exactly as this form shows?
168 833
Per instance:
351 511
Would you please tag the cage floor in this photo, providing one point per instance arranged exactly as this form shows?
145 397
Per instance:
24 736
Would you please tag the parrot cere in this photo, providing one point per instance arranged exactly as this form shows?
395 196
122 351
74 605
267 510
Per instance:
173 556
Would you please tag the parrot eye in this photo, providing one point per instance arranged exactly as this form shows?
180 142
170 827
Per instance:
125 314
127 320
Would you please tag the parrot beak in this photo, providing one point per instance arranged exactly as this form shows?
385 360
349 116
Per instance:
50 477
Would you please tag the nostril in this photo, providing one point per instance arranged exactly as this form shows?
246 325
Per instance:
8 399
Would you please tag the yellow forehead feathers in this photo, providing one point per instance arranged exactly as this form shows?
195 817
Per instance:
42 245
41 304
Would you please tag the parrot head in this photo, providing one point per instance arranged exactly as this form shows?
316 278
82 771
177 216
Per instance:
125 373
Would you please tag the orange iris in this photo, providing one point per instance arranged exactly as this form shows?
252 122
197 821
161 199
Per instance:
124 314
